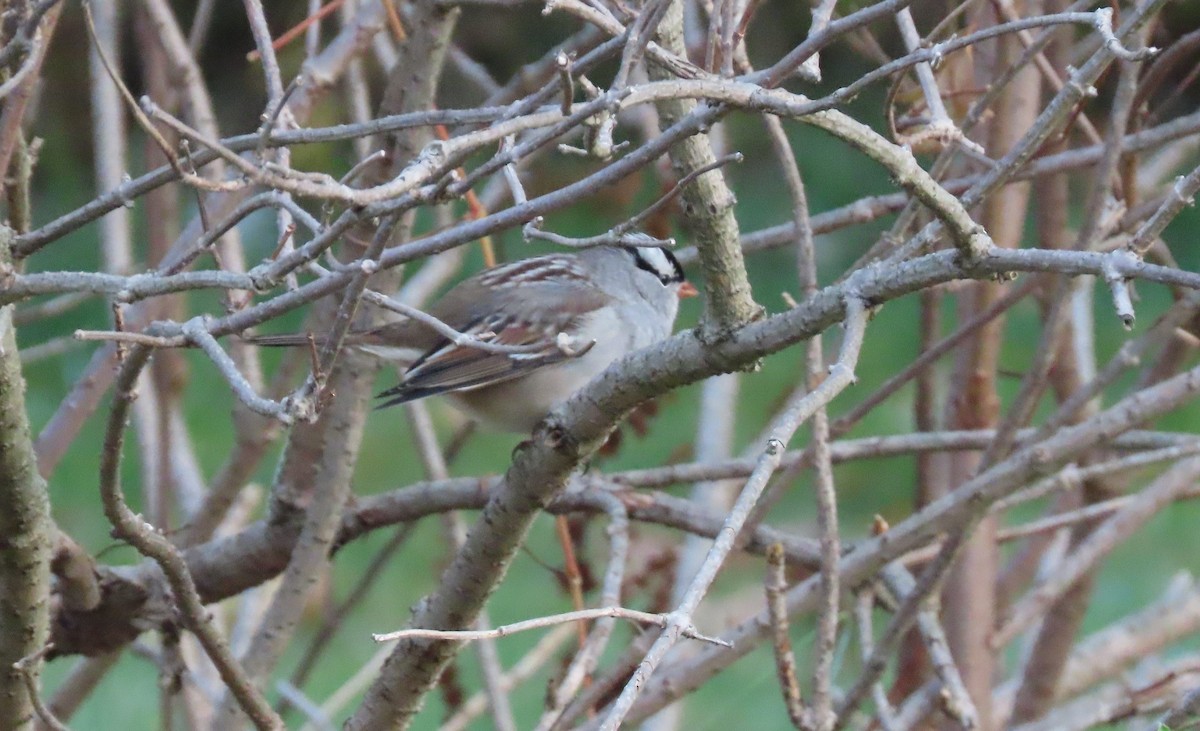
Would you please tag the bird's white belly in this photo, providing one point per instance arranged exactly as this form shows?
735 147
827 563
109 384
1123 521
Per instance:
518 405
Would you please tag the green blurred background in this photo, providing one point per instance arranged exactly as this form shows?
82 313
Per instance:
835 174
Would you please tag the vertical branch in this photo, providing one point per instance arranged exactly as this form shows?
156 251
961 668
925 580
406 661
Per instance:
931 473
25 530
806 259
912 596
18 195
826 497
781 641
435 469
714 442
864 606
191 81
111 154
15 103
325 488
198 102
411 87
938 116
276 115
334 619
542 654
332 473
954 697
1054 636
334 441
1052 219
707 203
823 485
108 140
130 527
970 594
821 13
588 657
355 87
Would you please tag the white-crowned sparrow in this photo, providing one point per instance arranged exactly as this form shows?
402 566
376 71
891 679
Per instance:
572 313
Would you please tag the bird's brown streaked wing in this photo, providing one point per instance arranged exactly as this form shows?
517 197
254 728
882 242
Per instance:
382 335
450 367
462 368
290 340
398 333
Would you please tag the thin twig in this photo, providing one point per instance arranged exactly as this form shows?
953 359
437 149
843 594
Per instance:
292 33
679 623
1098 545
785 660
286 412
27 667
632 615
864 605
590 651
151 543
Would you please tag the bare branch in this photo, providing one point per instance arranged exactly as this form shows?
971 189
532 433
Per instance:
148 541
1098 545
26 524
785 660
679 622
632 615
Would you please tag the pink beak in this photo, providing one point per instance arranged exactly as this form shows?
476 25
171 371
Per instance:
687 289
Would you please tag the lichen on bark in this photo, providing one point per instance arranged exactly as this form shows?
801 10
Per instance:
25 528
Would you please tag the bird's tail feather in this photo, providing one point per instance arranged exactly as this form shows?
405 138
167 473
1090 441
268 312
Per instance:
290 340
398 355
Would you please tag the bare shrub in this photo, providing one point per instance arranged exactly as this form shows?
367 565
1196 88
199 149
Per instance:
1034 156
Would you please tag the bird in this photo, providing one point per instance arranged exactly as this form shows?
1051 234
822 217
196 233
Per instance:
569 315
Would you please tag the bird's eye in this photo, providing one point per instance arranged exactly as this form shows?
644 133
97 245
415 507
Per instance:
659 262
